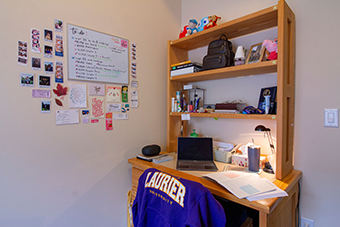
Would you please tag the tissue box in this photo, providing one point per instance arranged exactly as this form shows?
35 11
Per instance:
222 156
239 160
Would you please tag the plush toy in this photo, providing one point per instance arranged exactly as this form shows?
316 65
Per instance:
204 22
213 21
183 31
189 29
271 47
208 22
192 28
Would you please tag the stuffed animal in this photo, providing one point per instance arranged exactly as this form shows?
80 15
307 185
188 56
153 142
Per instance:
189 29
204 22
192 27
208 22
183 31
271 46
213 21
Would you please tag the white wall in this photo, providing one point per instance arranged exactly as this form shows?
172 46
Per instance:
316 153
77 175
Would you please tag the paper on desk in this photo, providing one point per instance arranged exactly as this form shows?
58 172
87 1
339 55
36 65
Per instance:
267 195
242 184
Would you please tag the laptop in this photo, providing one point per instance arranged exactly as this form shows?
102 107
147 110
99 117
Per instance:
195 153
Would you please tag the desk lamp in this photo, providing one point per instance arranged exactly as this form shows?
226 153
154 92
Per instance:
272 159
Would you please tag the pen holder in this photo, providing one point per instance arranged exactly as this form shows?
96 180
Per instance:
254 158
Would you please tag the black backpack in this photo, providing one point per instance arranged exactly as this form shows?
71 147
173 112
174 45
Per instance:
220 54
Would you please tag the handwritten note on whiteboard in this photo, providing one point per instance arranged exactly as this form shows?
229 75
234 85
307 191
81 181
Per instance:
95 56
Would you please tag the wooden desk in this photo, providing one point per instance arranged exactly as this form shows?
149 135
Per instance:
272 212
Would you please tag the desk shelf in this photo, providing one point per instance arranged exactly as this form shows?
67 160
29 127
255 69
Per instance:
229 72
279 16
230 116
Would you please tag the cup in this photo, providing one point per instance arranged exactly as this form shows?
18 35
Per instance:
254 158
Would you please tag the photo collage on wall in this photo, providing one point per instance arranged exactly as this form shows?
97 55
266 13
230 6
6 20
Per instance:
43 54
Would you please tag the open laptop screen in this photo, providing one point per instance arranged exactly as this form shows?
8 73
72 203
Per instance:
195 148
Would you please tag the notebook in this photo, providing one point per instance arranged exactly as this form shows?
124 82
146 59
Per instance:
195 153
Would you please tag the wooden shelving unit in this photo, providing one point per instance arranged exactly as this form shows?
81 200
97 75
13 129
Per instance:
280 16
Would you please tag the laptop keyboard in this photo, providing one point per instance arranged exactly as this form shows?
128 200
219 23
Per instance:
195 165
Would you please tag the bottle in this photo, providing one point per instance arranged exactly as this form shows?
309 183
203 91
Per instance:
183 103
193 134
178 97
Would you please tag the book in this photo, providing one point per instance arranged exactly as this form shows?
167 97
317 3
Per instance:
227 111
156 159
180 63
199 65
242 184
191 69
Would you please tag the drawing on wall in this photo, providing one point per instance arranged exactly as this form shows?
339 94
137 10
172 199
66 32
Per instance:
27 79
35 40
22 53
109 121
97 89
78 96
60 91
113 93
125 93
58 25
97 107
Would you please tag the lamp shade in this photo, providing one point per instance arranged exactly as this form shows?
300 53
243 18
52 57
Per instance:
261 128
239 53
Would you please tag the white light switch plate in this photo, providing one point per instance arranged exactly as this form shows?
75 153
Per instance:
331 118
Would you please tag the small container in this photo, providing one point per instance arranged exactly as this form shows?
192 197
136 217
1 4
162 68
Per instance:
254 158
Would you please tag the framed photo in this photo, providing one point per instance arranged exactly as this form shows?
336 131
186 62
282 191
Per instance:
256 53
266 92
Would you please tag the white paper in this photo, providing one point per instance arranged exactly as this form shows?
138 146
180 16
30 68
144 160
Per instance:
134 103
242 184
266 195
78 96
65 117
120 116
114 108
185 117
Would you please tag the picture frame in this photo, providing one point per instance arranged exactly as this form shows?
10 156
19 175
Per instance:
256 53
268 91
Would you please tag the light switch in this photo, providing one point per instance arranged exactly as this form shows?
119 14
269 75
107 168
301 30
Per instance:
331 118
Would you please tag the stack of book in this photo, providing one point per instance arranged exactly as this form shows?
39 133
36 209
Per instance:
229 107
185 68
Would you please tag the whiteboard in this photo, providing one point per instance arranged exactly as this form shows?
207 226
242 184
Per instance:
98 57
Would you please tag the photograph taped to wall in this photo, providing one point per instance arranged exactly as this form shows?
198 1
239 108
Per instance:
22 53
96 56
27 79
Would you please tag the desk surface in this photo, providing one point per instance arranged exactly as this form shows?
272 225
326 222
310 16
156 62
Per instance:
265 205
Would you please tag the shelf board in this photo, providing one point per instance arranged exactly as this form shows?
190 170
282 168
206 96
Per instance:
255 22
231 116
229 72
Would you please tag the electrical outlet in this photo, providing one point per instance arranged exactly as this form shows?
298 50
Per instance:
305 222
